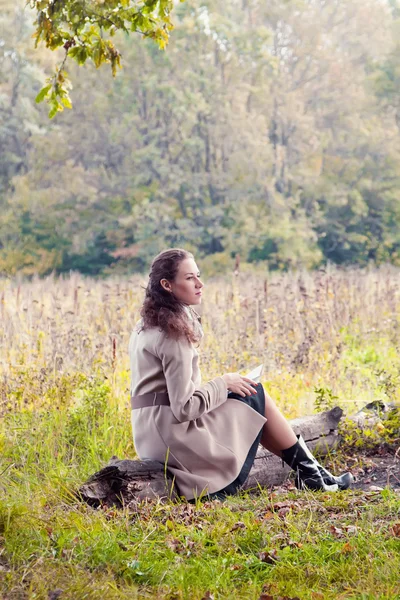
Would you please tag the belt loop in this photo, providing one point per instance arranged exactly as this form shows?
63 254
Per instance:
150 399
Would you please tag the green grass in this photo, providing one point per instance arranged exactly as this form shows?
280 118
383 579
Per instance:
176 551
51 542
64 412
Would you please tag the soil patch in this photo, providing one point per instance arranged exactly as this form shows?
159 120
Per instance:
376 470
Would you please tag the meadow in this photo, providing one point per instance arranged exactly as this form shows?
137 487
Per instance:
329 337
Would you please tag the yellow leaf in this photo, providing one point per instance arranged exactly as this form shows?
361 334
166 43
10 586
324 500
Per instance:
347 548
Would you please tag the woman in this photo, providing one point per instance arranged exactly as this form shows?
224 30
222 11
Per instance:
206 433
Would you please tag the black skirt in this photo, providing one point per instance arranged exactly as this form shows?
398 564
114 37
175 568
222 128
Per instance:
257 402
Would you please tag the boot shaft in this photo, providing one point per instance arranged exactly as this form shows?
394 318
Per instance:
301 460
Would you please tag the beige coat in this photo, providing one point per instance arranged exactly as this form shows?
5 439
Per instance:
203 436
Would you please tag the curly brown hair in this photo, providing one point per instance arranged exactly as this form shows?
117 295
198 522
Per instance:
161 308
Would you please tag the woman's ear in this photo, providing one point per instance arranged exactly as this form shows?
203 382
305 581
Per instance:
165 285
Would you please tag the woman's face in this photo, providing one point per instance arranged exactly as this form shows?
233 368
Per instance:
187 285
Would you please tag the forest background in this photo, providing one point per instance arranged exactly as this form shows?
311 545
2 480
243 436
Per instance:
265 129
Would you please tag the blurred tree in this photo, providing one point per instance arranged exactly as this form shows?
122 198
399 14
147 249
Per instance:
268 130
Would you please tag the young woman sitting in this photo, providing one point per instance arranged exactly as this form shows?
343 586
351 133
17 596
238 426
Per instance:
207 434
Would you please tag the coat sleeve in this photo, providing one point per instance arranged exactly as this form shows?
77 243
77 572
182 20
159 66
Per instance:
187 401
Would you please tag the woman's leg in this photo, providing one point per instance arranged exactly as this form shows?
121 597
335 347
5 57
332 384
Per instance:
277 434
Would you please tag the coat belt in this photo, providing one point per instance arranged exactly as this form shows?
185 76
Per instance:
150 399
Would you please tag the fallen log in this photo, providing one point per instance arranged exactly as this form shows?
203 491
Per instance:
122 481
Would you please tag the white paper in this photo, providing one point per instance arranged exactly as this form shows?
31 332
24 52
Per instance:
256 373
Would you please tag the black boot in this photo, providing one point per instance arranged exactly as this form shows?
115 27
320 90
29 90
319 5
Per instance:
309 473
343 481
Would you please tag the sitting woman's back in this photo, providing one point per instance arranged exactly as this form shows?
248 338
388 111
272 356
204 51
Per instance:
176 418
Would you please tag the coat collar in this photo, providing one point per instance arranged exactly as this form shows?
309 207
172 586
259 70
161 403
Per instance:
196 314
193 314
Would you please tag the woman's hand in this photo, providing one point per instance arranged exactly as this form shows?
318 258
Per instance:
239 385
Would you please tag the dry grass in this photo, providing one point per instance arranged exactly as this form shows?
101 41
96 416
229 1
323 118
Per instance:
302 326
64 391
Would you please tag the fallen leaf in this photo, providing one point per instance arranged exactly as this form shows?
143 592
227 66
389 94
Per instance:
269 557
347 548
395 529
268 515
238 525
337 532
351 528
279 505
292 543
